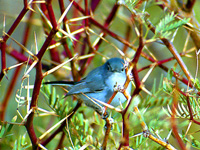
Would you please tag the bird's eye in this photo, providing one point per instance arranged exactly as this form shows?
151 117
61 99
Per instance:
122 69
108 67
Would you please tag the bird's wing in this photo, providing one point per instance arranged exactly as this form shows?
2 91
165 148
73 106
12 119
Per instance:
85 87
92 83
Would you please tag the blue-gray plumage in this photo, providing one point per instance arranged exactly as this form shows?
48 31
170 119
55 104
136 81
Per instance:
99 84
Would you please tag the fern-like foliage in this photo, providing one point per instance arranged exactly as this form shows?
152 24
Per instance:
182 110
158 98
129 3
166 20
57 104
196 83
169 23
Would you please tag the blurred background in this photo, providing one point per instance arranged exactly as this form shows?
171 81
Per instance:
122 25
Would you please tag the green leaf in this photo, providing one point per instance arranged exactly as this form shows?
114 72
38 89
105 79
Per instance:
196 83
52 99
169 23
167 86
170 74
15 145
167 19
195 142
11 125
3 130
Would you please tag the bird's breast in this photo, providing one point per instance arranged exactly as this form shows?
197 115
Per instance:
115 79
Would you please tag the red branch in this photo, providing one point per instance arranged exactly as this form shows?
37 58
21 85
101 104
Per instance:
17 71
5 38
133 64
173 120
33 105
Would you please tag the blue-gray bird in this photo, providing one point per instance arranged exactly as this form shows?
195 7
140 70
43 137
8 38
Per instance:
99 84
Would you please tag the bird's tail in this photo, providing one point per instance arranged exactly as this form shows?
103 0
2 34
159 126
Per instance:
62 83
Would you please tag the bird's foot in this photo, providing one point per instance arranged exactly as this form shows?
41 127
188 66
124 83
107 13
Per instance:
109 123
119 88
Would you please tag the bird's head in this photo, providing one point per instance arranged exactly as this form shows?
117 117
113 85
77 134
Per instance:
115 65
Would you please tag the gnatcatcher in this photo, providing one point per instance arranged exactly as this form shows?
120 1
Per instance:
99 84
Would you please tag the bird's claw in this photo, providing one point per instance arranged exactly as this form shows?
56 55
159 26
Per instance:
131 76
109 123
102 112
118 88
126 63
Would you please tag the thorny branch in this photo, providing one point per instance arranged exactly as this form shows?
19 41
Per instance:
87 48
